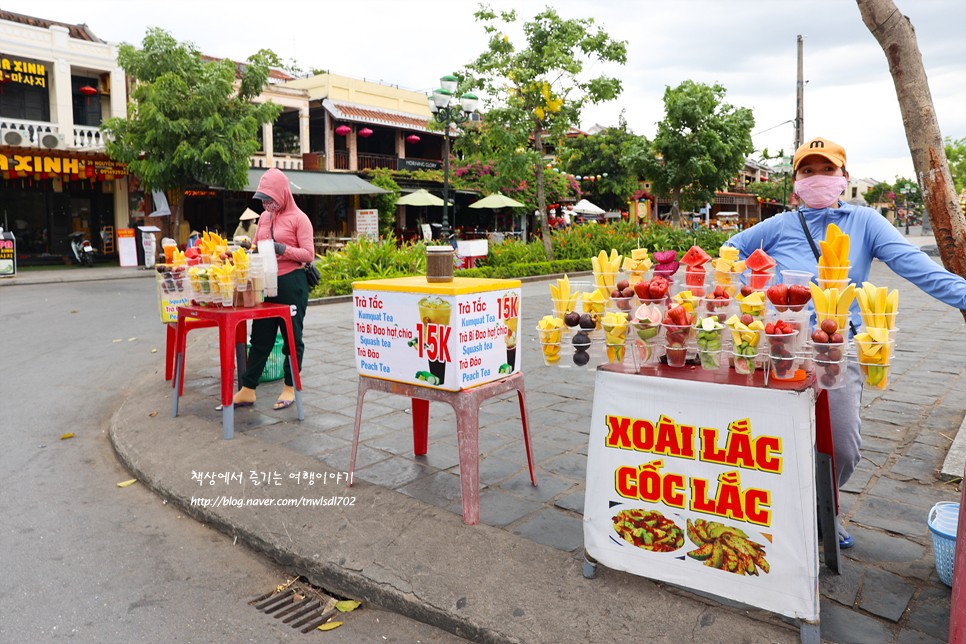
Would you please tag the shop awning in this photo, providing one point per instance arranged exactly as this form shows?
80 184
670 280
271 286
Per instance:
319 183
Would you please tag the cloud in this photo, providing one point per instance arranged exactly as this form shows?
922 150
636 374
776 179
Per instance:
749 46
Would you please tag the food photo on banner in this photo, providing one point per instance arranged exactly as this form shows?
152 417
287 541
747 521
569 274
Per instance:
718 497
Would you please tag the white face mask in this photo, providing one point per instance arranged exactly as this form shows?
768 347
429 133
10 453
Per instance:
820 191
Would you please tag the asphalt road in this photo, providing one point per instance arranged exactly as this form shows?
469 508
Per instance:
81 557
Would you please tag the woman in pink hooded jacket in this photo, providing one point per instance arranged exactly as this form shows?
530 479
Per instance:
290 228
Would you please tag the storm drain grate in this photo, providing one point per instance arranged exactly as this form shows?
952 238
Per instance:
297 604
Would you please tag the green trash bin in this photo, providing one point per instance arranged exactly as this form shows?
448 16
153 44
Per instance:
275 364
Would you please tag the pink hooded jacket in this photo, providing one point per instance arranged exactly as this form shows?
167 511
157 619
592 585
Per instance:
290 226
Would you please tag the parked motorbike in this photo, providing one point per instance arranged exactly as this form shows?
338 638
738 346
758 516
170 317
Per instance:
81 251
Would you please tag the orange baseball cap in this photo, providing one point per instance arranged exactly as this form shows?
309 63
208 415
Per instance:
822 148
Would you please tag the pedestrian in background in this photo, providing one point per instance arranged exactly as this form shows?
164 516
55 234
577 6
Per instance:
285 224
820 179
247 225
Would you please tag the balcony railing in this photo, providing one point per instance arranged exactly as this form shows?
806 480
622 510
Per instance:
42 134
372 161
282 162
88 138
340 159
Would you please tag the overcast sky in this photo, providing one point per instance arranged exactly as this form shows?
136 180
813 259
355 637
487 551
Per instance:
748 46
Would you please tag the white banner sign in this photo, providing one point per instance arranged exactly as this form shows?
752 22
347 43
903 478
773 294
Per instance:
706 486
367 223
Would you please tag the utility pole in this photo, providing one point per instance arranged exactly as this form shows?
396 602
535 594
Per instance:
800 99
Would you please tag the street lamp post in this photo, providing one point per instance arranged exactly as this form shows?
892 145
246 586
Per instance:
449 109
905 202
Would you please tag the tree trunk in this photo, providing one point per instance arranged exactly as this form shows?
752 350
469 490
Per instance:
896 36
542 195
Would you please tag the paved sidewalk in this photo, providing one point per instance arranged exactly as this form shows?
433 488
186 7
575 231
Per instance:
517 575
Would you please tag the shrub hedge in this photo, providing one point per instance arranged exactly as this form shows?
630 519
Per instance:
573 247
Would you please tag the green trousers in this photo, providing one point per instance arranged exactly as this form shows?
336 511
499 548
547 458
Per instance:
292 290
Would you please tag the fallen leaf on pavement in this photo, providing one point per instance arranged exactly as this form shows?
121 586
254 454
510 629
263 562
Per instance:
328 626
127 483
347 605
64 437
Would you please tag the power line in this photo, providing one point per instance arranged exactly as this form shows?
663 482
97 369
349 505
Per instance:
775 126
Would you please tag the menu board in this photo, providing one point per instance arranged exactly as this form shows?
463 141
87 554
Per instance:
449 336
706 486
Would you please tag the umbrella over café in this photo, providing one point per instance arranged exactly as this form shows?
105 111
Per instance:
421 197
497 200
584 207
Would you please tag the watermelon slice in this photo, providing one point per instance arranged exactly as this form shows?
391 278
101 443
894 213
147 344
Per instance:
759 262
696 256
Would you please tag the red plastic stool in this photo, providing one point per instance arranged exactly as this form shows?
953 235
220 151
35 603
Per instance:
466 403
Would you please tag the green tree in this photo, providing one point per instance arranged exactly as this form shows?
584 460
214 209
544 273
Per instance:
538 91
881 192
701 144
385 203
189 121
956 155
602 156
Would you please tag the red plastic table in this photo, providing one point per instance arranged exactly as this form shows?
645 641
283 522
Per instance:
230 342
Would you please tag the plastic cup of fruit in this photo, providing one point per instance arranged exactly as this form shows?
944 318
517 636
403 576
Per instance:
875 368
745 360
781 345
582 351
622 354
880 352
800 321
621 304
758 281
723 309
790 277
648 353
563 307
830 362
551 352
826 280
660 302
711 360
783 367
696 282
729 281
676 340
755 311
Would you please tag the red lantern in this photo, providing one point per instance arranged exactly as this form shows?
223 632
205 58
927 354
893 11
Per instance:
88 91
365 133
89 171
412 138
343 130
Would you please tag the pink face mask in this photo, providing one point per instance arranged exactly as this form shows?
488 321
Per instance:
271 207
820 191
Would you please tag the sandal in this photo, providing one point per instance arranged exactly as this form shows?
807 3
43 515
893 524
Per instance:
282 404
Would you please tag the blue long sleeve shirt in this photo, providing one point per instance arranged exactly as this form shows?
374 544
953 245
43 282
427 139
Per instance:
871 236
